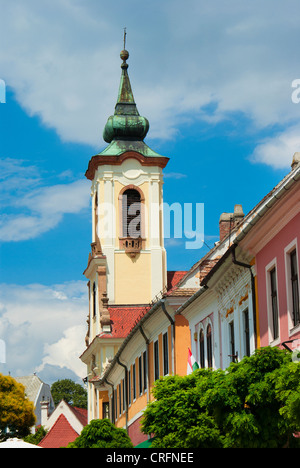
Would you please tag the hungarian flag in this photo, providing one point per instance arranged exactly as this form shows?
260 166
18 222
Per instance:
192 364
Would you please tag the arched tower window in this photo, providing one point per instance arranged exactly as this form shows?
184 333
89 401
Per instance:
131 213
131 206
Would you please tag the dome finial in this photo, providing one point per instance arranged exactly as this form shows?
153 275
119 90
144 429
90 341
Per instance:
124 38
124 53
126 123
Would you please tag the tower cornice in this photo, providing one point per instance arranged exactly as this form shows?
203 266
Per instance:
101 160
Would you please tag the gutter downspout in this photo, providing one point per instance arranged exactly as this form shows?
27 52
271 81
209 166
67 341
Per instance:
245 265
172 321
126 392
112 401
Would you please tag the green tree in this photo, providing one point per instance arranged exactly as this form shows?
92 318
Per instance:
101 433
73 393
254 403
16 411
37 436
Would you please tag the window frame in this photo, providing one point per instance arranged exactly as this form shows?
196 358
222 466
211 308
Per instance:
145 370
231 341
105 410
156 360
140 372
274 340
292 247
209 345
129 386
165 343
202 348
122 233
133 382
246 331
295 287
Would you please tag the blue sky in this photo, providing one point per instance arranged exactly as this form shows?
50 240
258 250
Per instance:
215 81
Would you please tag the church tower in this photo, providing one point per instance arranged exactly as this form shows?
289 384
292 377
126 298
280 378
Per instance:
127 264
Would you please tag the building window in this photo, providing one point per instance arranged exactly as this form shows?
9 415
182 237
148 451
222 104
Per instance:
94 299
274 303
231 342
209 346
123 394
156 360
145 370
133 382
140 376
246 332
116 404
129 387
295 287
120 401
131 213
105 410
201 345
166 353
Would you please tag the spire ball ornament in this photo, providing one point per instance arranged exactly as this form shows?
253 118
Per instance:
124 54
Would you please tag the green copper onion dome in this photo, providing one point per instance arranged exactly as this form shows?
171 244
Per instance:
126 123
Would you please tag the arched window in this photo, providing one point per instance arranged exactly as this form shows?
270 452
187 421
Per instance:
209 346
201 344
131 213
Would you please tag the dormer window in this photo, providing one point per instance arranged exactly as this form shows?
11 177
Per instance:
131 205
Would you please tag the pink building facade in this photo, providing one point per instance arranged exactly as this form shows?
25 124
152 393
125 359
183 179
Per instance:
273 241
277 265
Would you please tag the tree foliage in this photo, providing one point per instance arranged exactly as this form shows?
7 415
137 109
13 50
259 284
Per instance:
101 433
69 391
16 411
254 403
36 438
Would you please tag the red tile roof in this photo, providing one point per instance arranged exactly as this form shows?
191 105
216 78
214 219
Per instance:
80 413
123 318
173 278
60 435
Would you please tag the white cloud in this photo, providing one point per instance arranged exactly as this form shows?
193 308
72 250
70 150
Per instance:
174 175
43 325
36 208
64 352
278 151
233 54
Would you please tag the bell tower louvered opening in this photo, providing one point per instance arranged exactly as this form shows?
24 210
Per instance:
131 213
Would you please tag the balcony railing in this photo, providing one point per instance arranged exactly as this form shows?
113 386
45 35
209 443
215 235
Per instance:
131 245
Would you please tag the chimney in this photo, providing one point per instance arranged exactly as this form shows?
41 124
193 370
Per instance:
296 161
44 412
228 221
